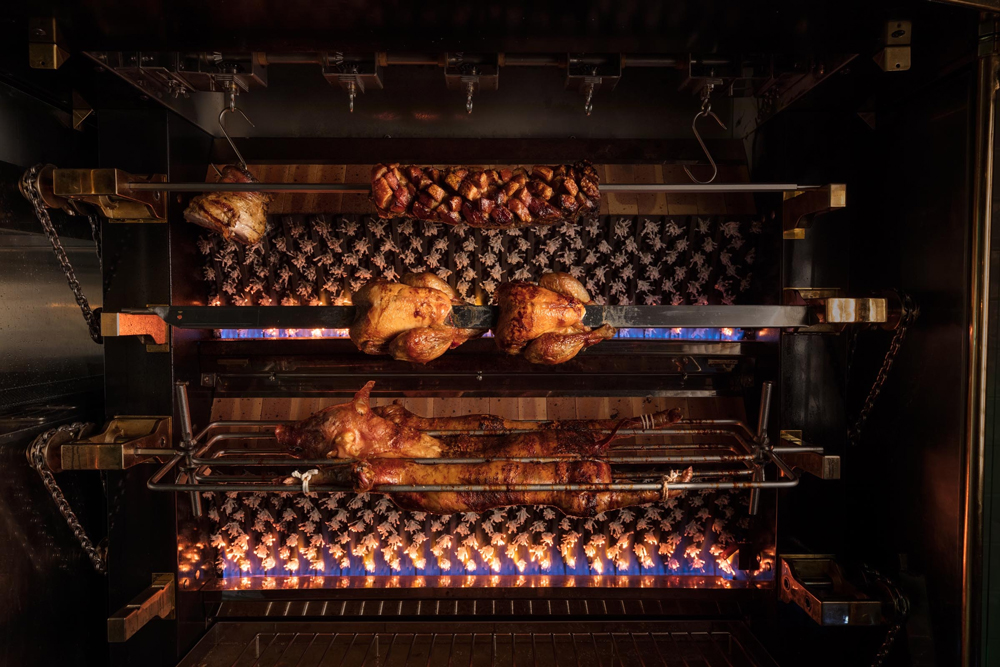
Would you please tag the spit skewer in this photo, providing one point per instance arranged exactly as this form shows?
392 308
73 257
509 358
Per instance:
365 188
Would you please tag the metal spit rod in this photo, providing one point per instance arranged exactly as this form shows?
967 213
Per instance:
155 484
188 442
365 188
761 441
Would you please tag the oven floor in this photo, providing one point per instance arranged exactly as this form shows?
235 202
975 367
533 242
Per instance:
584 644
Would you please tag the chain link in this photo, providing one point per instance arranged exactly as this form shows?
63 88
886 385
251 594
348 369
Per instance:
30 189
901 611
36 454
907 317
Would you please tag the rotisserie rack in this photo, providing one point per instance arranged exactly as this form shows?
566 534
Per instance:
242 456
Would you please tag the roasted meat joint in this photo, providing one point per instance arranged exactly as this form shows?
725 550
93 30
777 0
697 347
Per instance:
587 335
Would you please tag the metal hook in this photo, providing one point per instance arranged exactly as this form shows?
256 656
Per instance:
706 110
233 109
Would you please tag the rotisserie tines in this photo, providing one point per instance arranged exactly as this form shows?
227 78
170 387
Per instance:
409 320
240 216
366 476
487 198
545 321
356 430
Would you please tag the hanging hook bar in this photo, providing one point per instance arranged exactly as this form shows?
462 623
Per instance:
706 111
231 107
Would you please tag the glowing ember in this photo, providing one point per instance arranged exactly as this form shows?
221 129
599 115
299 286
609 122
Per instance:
365 534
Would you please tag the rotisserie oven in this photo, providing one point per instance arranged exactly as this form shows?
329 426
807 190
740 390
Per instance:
673 349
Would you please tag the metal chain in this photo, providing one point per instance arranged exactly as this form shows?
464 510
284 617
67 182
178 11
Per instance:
30 190
907 317
95 233
36 454
901 609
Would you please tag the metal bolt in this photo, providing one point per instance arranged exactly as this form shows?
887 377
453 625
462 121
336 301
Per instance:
351 93
470 88
588 104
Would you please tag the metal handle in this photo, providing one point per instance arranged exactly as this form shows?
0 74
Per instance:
155 601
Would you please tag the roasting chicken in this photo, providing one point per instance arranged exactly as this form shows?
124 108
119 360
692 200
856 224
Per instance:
487 198
356 430
364 476
544 322
410 320
240 216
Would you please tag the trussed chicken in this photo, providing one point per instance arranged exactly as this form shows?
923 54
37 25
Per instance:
410 320
544 322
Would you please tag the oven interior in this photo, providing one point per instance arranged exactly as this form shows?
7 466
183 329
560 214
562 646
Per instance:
808 312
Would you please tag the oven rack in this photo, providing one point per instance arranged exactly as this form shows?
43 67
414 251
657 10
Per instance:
736 458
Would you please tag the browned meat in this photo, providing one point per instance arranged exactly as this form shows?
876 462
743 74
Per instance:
366 476
240 216
355 430
545 321
487 198
398 414
409 320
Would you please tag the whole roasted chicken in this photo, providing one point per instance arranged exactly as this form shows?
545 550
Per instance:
411 320
240 216
544 322
364 476
356 430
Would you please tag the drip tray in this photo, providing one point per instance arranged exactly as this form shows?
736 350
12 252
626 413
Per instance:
643 644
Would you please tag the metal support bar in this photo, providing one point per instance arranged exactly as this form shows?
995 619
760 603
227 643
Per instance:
124 442
365 188
839 603
799 209
978 310
485 317
155 601
111 190
808 459
150 329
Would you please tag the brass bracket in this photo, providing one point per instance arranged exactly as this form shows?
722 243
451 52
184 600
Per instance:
817 585
155 601
151 329
124 442
832 311
44 49
109 189
895 53
817 464
800 207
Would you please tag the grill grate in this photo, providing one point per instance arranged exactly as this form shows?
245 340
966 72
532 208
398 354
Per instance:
641 645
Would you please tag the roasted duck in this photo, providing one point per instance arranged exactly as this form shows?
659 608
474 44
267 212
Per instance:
365 476
488 198
355 430
240 216
409 320
544 322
